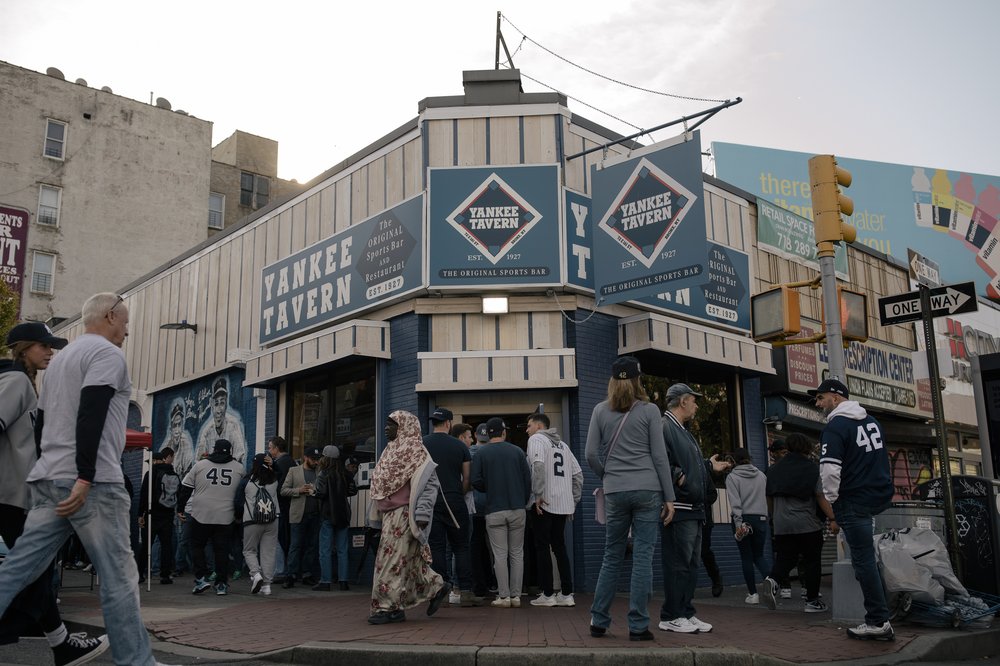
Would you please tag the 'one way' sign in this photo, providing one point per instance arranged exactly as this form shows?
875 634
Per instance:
947 300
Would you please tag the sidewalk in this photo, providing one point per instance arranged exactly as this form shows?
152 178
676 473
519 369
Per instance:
304 626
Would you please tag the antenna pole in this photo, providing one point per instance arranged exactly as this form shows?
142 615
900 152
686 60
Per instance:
499 37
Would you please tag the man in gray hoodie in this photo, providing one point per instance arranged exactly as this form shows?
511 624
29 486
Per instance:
746 489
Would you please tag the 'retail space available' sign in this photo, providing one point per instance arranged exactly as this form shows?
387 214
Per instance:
651 221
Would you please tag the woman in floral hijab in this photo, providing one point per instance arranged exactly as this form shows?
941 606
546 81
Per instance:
404 487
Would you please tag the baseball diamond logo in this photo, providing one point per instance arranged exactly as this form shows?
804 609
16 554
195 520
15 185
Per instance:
494 218
647 211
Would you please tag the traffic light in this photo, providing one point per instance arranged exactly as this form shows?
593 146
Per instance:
775 314
826 179
853 315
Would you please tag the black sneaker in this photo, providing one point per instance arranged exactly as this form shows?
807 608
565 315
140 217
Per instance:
644 635
386 617
598 632
78 649
438 598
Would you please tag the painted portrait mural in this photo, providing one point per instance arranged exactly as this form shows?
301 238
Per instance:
190 418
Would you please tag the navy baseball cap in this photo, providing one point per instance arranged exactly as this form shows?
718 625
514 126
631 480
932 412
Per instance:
313 452
830 386
481 434
441 414
626 367
35 331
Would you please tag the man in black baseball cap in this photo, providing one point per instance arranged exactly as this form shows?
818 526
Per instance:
625 367
856 478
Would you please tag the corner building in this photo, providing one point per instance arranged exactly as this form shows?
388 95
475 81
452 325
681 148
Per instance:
364 294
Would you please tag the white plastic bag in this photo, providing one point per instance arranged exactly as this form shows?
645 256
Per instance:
901 573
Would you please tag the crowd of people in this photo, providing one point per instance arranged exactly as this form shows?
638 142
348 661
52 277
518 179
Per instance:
449 511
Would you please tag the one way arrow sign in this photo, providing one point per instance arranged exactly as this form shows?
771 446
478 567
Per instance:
947 300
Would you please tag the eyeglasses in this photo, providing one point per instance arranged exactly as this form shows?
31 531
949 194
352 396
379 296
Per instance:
112 308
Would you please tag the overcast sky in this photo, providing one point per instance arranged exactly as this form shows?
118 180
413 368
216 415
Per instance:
905 81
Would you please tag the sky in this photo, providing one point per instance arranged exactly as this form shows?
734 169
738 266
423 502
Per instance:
903 81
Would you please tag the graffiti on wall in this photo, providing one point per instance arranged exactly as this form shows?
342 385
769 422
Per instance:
910 467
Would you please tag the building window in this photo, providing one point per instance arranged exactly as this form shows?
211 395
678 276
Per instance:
43 268
55 139
216 210
255 191
49 199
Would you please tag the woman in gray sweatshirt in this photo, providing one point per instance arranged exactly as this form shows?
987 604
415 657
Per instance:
625 449
746 487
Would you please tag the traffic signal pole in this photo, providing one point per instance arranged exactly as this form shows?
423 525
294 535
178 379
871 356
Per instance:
831 315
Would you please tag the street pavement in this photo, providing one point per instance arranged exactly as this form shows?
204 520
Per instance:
302 626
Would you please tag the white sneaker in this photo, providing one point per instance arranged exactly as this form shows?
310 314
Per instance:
770 588
786 593
681 625
703 627
544 600
454 597
868 632
255 583
515 602
752 599
265 590
501 602
565 600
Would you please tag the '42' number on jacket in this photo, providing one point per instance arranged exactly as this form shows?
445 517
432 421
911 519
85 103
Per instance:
869 437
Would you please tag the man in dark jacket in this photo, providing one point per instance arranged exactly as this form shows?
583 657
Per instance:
160 514
681 538
277 448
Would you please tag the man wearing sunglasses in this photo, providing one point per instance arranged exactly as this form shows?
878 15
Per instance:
77 483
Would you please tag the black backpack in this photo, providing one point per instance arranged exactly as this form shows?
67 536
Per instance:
264 509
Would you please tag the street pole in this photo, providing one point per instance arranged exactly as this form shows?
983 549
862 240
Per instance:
930 347
831 316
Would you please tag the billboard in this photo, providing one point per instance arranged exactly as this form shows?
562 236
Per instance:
13 246
649 213
720 296
368 264
949 217
494 226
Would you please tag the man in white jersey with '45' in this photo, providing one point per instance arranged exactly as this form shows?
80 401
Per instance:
556 487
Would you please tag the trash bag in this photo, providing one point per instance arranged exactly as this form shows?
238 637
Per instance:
929 551
901 573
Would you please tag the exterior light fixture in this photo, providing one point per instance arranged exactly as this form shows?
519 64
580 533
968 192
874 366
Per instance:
494 305
179 326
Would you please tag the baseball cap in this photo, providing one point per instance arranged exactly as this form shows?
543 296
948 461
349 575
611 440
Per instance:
441 414
223 446
331 451
313 452
35 331
495 426
678 390
157 455
176 410
481 434
830 386
220 386
626 367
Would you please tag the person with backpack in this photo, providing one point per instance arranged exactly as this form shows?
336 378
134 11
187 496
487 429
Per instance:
334 484
159 513
256 505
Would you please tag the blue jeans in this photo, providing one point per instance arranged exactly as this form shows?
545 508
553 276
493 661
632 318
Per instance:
751 549
102 525
328 537
640 511
303 553
679 556
857 523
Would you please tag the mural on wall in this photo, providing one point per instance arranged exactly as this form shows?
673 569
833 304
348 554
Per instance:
190 418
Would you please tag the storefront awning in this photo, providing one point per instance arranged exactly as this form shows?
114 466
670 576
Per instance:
662 333
358 337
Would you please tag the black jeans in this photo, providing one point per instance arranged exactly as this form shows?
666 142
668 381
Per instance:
35 607
788 548
548 529
221 537
162 528
707 556
445 534
481 555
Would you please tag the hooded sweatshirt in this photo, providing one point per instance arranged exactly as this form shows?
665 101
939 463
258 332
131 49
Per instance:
18 405
746 486
853 462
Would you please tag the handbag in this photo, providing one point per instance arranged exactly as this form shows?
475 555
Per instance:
600 511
